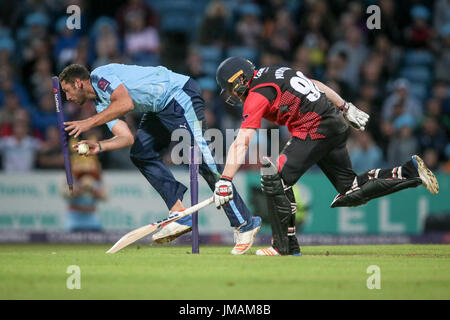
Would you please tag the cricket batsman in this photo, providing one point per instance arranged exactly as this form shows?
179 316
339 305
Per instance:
168 101
318 120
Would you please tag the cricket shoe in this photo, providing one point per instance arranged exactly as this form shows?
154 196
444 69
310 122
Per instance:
173 230
428 178
244 236
271 251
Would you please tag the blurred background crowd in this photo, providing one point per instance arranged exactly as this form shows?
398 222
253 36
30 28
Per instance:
399 74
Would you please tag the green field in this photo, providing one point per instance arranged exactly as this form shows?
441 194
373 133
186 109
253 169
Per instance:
171 272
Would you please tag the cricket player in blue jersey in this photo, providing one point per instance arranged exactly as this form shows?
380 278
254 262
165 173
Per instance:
168 101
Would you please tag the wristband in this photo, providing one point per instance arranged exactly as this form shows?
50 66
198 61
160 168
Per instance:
99 147
226 178
343 107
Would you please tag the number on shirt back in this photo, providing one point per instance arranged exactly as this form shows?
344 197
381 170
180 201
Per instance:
305 86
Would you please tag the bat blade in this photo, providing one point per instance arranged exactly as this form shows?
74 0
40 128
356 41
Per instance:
132 236
141 232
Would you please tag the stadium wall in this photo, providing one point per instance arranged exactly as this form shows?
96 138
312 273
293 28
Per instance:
33 202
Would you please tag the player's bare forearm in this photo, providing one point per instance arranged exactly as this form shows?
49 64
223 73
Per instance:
237 152
330 93
116 142
123 137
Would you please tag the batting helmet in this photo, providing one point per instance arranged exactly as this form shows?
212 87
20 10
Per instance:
233 75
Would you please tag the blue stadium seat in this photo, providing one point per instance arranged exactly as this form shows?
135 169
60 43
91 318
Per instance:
418 58
417 74
419 90
210 68
210 53
245 52
211 58
179 15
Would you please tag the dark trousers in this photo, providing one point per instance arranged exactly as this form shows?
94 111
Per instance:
330 154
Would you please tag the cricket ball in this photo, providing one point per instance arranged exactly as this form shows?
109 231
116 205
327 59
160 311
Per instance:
83 148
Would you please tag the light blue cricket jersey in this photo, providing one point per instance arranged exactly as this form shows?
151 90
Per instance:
150 88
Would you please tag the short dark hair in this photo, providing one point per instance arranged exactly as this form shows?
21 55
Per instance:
72 72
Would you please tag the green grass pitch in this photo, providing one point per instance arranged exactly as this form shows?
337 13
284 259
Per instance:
171 272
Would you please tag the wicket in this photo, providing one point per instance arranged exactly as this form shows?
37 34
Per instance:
193 170
62 132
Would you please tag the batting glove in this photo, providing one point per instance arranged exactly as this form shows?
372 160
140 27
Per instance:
355 117
223 192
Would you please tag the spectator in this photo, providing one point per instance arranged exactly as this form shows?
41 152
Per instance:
67 41
434 110
441 14
214 29
366 154
249 29
431 159
442 61
272 58
391 20
194 64
356 52
19 150
418 35
335 72
41 78
141 40
432 136
283 34
7 111
106 42
50 155
45 116
150 17
401 102
302 61
313 38
403 145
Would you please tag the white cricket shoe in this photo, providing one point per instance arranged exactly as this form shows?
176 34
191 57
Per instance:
428 178
173 230
244 238
272 252
267 252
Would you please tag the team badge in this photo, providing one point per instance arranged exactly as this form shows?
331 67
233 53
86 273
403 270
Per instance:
103 84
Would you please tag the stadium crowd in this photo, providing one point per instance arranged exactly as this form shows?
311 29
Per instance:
399 74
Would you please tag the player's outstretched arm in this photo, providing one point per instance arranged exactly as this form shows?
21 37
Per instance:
330 93
355 117
223 192
237 152
123 137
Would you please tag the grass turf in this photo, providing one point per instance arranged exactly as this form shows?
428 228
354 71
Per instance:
171 272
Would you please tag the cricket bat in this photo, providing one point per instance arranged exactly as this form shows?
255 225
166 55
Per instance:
141 232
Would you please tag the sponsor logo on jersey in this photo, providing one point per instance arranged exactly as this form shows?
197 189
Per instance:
279 74
103 84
